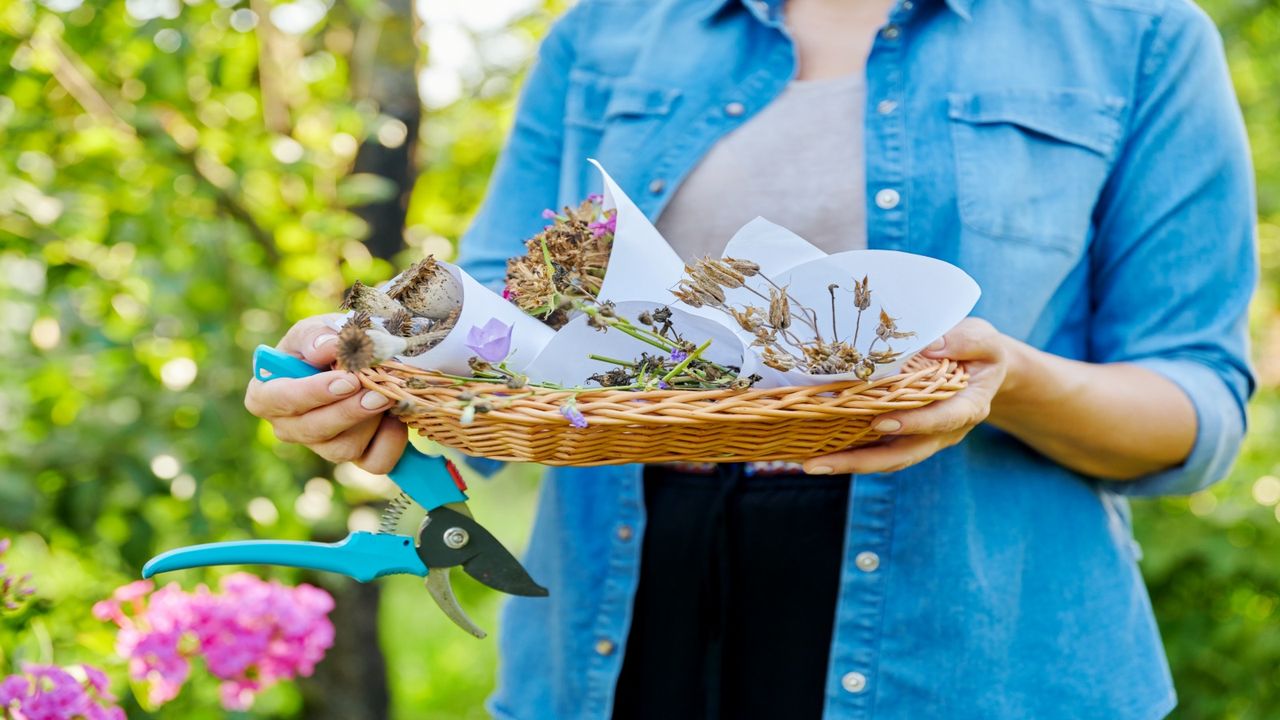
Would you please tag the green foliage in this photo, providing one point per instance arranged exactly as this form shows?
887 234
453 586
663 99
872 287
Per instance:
175 190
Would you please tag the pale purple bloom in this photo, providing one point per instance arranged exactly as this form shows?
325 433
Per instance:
595 198
663 385
549 214
492 342
678 355
569 409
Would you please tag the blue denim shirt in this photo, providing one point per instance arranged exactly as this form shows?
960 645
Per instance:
1085 161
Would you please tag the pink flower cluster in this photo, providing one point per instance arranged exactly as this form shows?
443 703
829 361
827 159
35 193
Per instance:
48 692
251 635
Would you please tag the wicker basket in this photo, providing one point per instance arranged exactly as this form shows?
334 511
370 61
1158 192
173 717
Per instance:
790 423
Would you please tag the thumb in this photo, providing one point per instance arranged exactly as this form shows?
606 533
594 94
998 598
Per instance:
972 339
313 340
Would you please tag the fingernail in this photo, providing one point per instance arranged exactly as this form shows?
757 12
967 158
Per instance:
373 400
322 339
342 386
937 345
819 470
888 426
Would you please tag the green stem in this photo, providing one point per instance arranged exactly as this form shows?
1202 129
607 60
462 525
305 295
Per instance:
612 361
685 363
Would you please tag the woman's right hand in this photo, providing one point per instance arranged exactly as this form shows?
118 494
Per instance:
328 412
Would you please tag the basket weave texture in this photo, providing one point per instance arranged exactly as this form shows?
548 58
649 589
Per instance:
790 423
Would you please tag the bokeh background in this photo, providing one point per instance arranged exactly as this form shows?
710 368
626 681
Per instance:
182 179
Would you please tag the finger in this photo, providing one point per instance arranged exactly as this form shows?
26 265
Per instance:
387 446
350 444
961 411
312 340
326 423
287 397
972 339
889 456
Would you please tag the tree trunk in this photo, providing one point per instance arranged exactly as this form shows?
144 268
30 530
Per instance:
352 681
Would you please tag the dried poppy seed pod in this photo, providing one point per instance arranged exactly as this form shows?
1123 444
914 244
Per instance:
427 290
360 319
361 297
359 348
418 344
400 323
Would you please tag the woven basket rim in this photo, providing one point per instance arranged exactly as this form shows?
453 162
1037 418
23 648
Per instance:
919 382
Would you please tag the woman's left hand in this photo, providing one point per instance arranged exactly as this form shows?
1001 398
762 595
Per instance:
911 436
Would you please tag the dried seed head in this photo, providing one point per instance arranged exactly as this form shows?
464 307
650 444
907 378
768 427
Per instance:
745 267
747 318
777 360
427 290
370 300
645 318
360 319
862 294
720 273
401 323
662 315
708 291
688 294
865 369
355 348
779 309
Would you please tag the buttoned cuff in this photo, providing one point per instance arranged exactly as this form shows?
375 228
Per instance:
1220 425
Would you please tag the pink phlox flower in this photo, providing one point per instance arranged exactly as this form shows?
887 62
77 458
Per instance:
608 225
491 341
49 692
251 634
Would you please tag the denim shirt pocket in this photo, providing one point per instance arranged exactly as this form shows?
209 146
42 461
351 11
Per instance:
1031 163
609 118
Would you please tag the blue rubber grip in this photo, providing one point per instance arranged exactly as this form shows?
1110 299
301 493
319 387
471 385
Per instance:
426 479
272 364
361 555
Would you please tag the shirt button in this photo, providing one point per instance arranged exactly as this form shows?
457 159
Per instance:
605 647
886 199
854 682
886 107
734 109
890 33
867 561
657 186
625 532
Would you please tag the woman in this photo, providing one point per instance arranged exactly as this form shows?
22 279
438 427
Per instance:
1084 161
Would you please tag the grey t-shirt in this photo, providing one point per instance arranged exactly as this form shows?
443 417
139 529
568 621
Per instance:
798 162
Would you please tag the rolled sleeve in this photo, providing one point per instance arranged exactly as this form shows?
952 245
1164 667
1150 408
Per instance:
1220 426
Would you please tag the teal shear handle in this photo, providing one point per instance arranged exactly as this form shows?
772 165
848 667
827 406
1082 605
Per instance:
272 364
361 555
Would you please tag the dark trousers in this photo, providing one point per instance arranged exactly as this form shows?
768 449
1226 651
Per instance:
738 584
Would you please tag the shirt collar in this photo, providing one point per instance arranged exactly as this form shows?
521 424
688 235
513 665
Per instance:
765 9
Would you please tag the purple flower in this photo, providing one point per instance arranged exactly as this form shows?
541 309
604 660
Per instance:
663 385
595 198
608 225
678 355
549 214
492 342
569 409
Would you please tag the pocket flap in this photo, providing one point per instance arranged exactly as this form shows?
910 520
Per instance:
1079 117
595 99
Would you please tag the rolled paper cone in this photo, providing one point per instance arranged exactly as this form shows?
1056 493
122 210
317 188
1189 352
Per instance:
480 304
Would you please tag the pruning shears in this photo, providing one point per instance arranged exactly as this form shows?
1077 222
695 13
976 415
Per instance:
448 536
